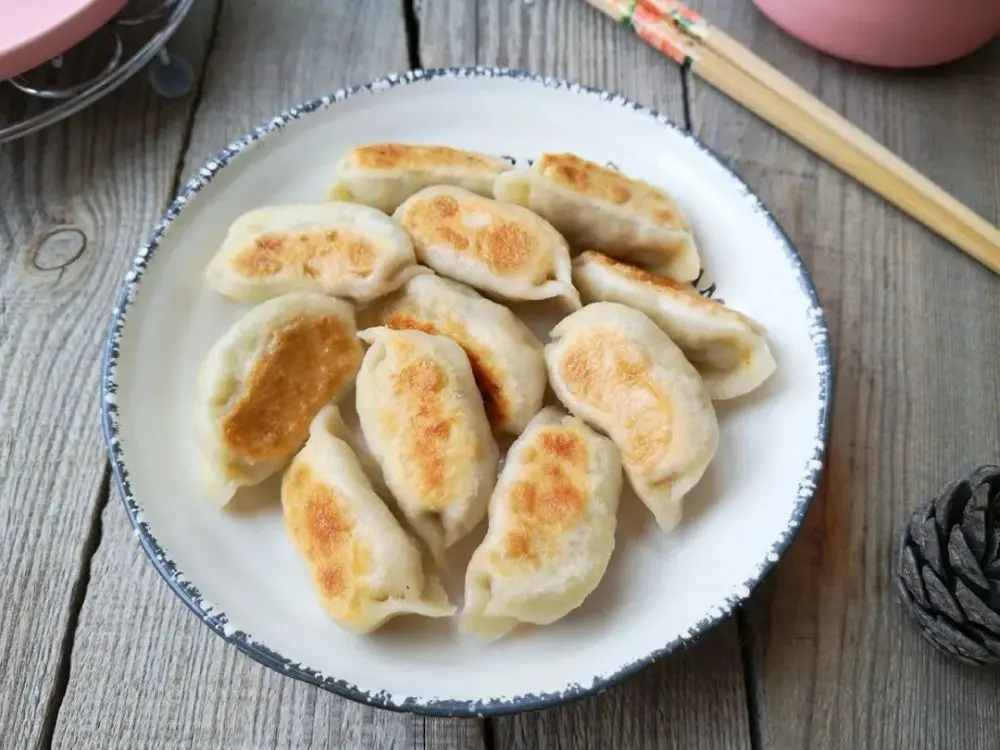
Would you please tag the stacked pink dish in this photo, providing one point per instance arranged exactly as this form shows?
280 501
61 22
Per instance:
31 33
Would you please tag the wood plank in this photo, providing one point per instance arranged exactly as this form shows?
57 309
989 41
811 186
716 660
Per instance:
835 662
170 681
74 202
692 699
454 734
695 699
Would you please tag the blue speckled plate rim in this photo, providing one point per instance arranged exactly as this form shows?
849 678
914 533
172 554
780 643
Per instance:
217 620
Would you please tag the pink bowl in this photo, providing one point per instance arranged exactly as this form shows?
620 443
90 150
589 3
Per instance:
33 31
891 33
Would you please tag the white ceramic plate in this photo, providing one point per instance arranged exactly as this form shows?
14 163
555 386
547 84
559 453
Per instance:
236 569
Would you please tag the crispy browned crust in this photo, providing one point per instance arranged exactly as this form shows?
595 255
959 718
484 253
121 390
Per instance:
312 252
611 373
489 377
549 498
594 181
322 529
436 439
401 156
306 363
507 247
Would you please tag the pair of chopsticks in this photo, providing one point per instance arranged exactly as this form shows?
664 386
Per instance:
688 39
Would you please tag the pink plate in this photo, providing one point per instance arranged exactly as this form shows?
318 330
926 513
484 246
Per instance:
890 33
33 32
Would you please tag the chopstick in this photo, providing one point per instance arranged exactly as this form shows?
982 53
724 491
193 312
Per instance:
688 39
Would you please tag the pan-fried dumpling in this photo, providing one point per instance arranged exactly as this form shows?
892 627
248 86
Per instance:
364 567
383 175
500 248
425 424
551 528
506 357
594 206
341 249
729 349
612 366
263 382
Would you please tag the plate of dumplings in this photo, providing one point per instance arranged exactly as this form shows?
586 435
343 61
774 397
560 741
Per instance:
466 392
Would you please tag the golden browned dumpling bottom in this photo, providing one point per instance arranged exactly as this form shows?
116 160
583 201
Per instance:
593 180
652 280
505 246
606 371
548 500
488 376
309 360
322 529
311 251
438 440
403 156
656 282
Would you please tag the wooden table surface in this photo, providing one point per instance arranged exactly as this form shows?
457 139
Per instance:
95 652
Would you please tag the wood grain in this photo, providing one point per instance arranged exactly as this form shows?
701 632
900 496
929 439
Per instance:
74 202
171 681
694 699
835 662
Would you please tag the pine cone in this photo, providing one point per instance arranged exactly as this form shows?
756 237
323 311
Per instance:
948 568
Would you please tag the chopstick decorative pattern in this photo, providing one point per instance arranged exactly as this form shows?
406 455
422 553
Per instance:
651 26
686 20
687 38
